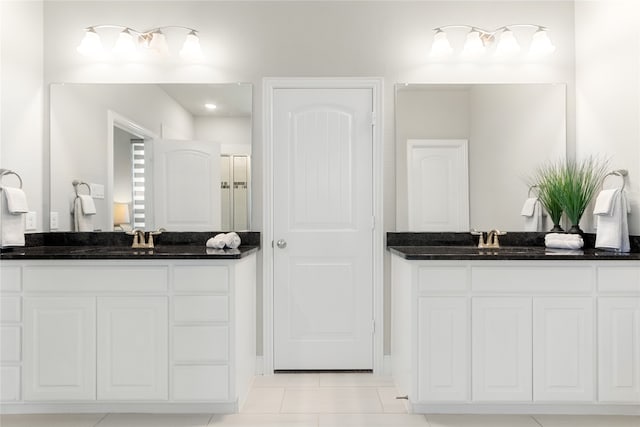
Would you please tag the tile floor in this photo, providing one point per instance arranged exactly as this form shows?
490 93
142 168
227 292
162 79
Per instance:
317 400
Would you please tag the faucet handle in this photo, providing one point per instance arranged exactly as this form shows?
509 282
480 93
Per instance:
481 241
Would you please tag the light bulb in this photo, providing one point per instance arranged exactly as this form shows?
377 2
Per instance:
158 43
441 46
125 45
210 106
541 44
90 44
191 48
507 45
474 45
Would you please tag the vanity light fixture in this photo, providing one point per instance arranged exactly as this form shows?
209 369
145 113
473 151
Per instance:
478 41
131 42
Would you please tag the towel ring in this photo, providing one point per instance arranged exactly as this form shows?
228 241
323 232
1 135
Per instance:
76 183
4 172
620 173
530 190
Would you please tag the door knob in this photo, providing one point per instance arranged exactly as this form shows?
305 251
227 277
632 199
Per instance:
281 243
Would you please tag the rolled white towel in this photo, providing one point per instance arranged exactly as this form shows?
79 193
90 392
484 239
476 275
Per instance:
232 240
216 242
563 241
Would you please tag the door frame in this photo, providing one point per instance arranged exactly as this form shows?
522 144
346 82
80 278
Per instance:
269 85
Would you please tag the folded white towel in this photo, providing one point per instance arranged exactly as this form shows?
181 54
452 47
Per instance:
232 240
612 232
87 204
216 242
11 224
532 212
563 241
528 209
81 222
16 200
604 202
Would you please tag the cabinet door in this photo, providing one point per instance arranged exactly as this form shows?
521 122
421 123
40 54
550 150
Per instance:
619 349
443 349
59 348
132 348
501 347
563 355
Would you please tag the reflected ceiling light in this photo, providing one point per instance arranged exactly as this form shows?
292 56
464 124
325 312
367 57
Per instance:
479 40
210 106
129 40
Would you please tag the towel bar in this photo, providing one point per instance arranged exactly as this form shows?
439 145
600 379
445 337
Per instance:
621 173
4 172
530 190
76 183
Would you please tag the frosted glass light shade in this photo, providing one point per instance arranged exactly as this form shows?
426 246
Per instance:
158 43
90 44
473 45
125 45
507 44
191 48
441 46
121 214
541 44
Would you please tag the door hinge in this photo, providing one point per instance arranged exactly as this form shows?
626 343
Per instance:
373 326
373 118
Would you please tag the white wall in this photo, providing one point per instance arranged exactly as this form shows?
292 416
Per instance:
608 91
22 147
234 133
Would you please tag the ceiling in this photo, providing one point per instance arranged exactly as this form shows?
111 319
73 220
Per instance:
231 99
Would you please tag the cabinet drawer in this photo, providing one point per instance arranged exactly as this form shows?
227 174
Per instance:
92 278
200 343
10 278
547 279
201 382
10 384
619 279
442 279
10 311
210 278
200 309
10 343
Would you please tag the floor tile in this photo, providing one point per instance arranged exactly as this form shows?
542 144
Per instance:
372 420
265 420
155 420
482 421
287 380
389 402
265 400
51 420
331 400
587 420
355 380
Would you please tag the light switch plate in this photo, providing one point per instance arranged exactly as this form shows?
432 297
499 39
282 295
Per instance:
53 221
30 221
97 191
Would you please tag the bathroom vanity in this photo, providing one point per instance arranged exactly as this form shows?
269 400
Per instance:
516 330
112 329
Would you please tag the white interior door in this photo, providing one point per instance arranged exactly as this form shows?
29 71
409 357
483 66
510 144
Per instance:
323 226
186 185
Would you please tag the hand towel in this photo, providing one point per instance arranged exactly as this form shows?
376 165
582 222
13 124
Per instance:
532 212
604 202
612 232
16 200
81 222
11 224
563 241
232 240
216 242
87 204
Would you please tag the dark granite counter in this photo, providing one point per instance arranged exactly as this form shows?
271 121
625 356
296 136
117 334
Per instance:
514 246
112 245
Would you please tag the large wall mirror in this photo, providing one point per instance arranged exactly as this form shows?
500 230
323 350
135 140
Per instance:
172 156
507 130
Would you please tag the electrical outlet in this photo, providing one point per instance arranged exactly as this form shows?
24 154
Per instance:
30 221
53 221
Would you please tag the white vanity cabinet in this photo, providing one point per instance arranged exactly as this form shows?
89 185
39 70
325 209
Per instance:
103 335
518 336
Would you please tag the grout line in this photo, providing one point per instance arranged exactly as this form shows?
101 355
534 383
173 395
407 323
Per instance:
536 420
100 420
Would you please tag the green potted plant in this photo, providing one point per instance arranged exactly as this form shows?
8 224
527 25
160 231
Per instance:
548 181
580 181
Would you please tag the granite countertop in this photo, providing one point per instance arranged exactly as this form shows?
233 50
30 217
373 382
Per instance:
514 246
111 245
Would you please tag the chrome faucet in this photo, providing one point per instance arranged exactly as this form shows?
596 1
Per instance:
492 241
139 239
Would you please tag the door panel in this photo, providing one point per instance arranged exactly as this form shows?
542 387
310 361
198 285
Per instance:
323 205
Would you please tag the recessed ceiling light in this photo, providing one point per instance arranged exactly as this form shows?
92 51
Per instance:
210 106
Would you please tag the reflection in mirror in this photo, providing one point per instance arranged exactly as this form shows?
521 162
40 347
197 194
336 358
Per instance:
510 130
154 155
